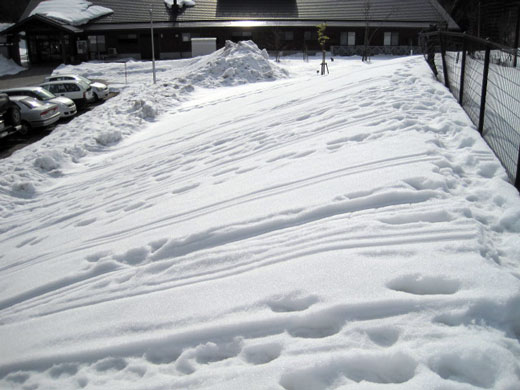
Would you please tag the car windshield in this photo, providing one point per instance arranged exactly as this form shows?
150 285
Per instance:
85 80
43 94
83 84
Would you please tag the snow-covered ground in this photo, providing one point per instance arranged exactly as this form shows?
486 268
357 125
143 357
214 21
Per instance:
301 232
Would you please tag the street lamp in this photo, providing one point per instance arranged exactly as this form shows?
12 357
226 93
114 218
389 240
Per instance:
153 48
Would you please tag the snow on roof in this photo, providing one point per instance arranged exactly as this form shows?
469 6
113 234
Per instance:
74 12
180 3
8 66
4 26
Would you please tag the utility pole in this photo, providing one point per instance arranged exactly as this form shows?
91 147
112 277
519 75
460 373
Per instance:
153 48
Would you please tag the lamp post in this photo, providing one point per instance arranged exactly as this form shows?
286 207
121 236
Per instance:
153 48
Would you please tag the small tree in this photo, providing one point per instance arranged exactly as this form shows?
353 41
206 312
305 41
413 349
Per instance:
322 40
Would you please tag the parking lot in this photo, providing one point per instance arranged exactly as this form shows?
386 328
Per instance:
32 77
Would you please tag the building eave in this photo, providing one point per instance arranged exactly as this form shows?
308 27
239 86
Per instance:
253 24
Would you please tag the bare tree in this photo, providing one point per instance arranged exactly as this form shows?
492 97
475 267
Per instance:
322 40
369 31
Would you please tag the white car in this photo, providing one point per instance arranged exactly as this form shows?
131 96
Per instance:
66 106
100 90
77 90
35 113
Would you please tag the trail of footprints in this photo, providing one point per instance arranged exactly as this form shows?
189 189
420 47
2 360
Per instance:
376 365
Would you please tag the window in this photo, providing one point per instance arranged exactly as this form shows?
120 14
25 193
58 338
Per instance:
348 38
391 39
127 38
186 37
288 35
96 45
71 87
240 34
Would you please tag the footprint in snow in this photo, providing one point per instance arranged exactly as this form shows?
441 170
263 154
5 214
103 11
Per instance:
262 353
424 285
357 367
292 302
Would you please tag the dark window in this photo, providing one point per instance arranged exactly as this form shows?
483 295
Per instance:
348 38
71 88
127 38
391 39
96 45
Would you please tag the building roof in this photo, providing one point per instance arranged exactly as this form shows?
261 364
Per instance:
59 25
272 12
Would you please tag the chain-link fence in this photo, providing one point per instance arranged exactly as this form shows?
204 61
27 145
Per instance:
485 78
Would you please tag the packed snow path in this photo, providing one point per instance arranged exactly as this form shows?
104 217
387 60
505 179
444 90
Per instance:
342 232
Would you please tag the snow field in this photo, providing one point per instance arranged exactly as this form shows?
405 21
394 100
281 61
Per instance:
342 232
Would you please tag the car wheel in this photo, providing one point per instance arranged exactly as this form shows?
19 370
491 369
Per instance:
26 127
13 117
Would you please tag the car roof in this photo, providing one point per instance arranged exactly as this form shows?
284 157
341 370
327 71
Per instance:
34 88
62 81
63 75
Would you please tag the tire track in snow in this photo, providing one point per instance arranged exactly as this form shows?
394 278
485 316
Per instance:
265 193
312 244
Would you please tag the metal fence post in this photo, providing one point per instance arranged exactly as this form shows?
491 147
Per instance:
484 91
443 55
463 69
517 180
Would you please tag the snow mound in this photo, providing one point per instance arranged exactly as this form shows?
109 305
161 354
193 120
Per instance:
8 66
234 64
137 104
74 12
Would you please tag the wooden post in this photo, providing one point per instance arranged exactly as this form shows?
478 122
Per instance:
484 91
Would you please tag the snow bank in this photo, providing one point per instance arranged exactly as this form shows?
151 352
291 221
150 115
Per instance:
9 66
74 12
236 63
138 104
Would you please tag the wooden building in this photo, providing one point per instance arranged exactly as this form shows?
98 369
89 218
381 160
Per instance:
392 26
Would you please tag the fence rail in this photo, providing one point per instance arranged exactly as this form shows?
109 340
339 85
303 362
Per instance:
374 50
485 79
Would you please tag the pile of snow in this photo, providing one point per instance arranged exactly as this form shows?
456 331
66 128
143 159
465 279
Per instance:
9 66
138 103
180 3
236 63
74 12
351 231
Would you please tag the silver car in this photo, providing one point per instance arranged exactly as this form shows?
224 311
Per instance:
35 113
66 106
100 90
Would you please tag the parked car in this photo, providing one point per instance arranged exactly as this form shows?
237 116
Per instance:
100 90
10 116
79 91
66 106
36 113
